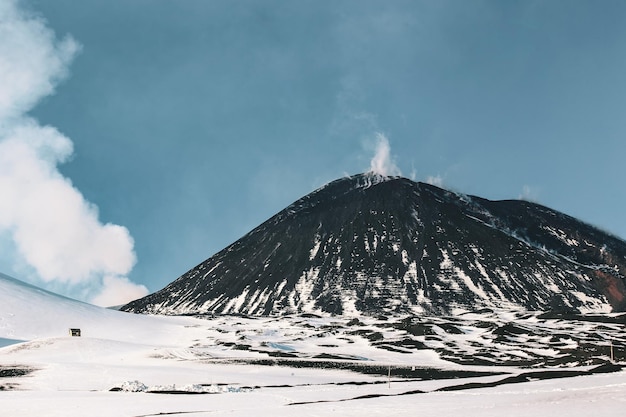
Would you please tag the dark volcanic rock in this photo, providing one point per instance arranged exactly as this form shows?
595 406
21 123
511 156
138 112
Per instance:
372 244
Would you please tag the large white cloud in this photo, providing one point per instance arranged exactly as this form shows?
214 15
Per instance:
32 61
49 223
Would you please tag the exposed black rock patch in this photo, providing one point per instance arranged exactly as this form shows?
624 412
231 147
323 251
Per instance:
14 371
516 379
536 376
369 368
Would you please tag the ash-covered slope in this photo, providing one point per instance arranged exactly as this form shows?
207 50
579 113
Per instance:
372 244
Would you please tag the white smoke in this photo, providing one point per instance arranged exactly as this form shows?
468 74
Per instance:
49 224
32 62
383 163
113 287
435 180
529 194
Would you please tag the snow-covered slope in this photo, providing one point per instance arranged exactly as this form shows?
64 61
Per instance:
388 245
303 364
28 312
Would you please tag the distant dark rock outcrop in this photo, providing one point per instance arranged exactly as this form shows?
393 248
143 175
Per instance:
369 244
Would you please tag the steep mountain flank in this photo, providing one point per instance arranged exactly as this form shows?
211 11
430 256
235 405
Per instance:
378 245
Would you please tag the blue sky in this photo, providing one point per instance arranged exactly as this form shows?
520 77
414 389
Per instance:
178 126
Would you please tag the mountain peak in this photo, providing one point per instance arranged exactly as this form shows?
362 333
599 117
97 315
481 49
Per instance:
372 244
370 178
362 180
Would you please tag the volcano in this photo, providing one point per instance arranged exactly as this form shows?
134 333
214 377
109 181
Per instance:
371 244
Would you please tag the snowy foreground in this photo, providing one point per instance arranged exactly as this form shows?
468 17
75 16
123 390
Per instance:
129 365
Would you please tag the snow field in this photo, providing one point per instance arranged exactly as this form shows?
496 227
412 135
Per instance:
305 366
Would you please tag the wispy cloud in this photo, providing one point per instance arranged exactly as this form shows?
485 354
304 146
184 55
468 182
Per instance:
383 162
529 193
351 119
436 180
48 222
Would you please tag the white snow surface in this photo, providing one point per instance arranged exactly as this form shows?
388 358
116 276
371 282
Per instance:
144 355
